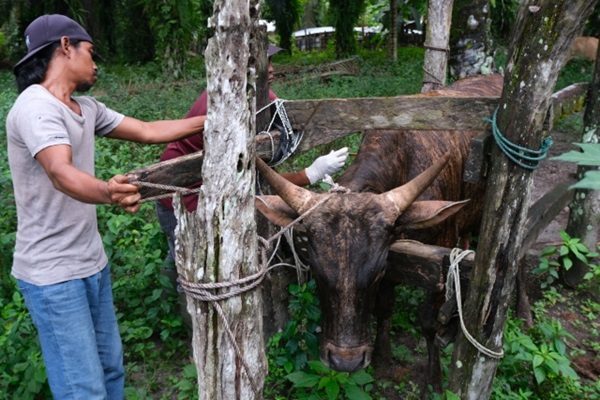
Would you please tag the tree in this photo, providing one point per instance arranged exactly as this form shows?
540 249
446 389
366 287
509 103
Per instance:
584 214
346 14
542 37
471 44
217 244
286 14
173 23
436 44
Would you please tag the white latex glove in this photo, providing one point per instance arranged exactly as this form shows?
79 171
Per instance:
326 165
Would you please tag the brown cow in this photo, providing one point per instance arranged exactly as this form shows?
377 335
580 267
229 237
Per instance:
392 194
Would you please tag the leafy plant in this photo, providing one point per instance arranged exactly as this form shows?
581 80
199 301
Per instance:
563 258
542 354
322 382
589 156
290 350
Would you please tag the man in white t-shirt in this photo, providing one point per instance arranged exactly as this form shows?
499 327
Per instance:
59 261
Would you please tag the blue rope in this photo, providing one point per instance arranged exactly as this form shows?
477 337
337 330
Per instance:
522 156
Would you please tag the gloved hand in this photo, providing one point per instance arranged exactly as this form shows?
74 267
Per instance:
326 165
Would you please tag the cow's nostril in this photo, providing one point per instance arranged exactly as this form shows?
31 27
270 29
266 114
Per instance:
346 364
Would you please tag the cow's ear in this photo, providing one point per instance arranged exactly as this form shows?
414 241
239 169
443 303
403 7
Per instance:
275 209
423 214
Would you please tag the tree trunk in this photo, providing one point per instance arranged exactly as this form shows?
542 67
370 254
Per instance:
471 44
542 36
217 243
393 41
584 215
436 44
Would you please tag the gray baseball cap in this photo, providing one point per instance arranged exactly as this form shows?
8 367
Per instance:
47 29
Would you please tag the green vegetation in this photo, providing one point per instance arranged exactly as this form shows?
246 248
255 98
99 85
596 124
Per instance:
157 355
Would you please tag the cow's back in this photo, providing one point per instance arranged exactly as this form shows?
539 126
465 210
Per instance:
388 159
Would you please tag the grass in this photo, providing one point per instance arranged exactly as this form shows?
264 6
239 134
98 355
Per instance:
155 341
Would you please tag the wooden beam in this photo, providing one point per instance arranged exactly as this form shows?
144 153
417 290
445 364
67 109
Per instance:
543 211
324 121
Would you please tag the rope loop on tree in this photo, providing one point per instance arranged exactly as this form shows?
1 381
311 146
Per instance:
522 156
453 289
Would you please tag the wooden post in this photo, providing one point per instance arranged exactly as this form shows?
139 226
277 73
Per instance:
436 44
542 36
217 243
584 215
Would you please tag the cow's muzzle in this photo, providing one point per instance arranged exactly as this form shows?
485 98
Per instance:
346 359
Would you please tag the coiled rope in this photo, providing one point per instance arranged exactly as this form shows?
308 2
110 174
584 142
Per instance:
453 289
522 156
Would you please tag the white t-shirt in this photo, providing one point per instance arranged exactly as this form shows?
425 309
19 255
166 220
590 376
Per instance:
57 236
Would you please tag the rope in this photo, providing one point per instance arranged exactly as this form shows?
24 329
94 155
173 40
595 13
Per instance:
201 291
522 156
172 190
453 288
288 140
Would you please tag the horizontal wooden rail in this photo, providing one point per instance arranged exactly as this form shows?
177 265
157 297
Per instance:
324 121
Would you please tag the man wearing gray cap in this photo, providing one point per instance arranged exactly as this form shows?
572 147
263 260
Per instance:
59 261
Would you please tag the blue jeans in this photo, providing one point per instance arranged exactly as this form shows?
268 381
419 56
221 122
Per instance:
80 339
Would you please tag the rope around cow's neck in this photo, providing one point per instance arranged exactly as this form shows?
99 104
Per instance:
453 288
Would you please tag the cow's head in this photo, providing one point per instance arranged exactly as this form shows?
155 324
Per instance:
349 235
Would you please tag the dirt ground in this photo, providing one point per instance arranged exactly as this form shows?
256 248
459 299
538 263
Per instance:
568 312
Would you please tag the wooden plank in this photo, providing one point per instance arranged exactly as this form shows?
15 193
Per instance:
543 211
419 264
416 112
179 172
324 121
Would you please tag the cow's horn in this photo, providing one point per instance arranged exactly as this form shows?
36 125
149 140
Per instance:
299 199
402 197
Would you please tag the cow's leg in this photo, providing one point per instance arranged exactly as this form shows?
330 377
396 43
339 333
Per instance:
429 326
384 307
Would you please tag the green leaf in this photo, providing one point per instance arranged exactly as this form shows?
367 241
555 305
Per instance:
590 154
302 379
552 365
361 377
319 367
537 361
354 392
540 375
451 395
332 389
591 180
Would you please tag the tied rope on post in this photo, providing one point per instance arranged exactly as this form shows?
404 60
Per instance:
453 288
202 291
522 156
